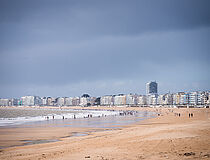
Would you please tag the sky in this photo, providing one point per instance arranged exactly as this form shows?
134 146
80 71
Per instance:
102 47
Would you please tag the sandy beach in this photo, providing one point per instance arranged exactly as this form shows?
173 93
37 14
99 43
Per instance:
168 136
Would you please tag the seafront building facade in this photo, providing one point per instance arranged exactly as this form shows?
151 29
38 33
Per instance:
179 99
68 101
4 102
60 101
141 100
131 99
107 100
120 100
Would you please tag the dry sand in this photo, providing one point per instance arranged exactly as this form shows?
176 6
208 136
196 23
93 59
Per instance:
165 137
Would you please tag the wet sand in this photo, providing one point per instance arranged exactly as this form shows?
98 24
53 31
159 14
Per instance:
167 136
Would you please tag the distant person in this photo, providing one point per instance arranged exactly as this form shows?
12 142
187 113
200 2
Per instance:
63 117
179 114
189 115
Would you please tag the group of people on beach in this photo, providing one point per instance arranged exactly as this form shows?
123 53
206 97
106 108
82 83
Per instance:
121 113
74 117
178 114
53 117
190 115
172 111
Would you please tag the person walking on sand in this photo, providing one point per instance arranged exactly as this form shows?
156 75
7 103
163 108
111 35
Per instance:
189 115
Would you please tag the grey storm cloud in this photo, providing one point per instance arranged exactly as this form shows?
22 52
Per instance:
69 47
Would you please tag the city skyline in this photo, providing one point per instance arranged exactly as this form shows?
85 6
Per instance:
151 88
68 48
113 94
151 97
180 99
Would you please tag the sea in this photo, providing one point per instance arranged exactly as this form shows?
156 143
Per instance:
60 117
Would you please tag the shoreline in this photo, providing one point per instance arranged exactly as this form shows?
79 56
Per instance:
146 133
65 116
77 126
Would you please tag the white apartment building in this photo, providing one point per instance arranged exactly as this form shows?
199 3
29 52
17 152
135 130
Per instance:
4 102
141 100
76 101
27 100
168 99
60 101
161 99
68 101
193 98
130 99
106 100
84 101
152 99
43 101
120 100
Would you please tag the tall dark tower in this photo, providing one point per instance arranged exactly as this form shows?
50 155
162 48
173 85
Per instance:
151 88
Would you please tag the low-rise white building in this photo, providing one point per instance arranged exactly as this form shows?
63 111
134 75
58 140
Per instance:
4 102
37 101
84 101
68 101
106 100
76 101
168 99
43 101
130 99
60 101
120 100
27 101
141 100
14 101
178 98
152 99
